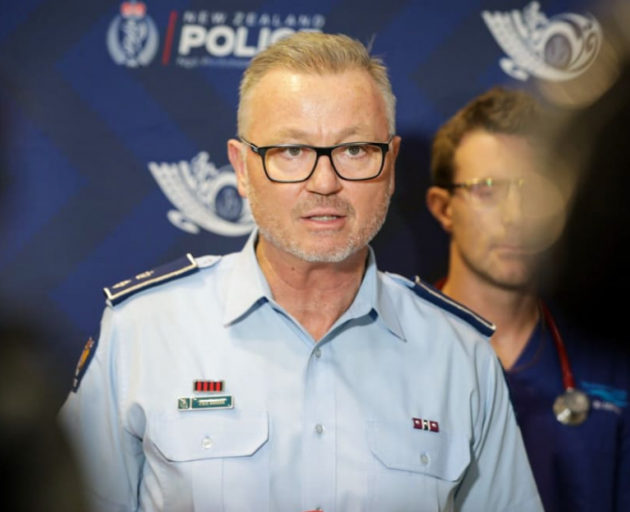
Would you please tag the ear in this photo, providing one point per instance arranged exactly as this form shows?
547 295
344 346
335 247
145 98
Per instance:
235 155
439 204
395 148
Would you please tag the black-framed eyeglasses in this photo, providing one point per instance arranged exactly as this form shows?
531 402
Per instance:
490 192
294 163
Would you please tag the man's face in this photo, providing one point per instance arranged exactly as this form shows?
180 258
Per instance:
501 241
323 219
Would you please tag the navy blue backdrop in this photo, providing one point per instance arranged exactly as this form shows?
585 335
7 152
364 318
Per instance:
115 117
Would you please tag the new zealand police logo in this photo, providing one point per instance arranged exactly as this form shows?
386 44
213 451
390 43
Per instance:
205 196
556 49
132 38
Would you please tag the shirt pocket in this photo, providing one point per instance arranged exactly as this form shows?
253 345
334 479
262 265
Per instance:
220 457
412 469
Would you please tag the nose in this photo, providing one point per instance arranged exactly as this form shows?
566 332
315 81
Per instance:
324 180
512 205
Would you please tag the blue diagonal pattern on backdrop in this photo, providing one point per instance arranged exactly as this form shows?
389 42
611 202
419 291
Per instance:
42 181
14 14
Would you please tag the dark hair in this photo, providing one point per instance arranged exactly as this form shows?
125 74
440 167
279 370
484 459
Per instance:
498 110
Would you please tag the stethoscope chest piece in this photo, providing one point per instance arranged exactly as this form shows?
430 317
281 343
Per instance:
572 407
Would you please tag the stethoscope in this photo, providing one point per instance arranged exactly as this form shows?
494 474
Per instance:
572 405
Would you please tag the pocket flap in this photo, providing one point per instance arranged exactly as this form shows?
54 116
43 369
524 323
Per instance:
399 446
210 434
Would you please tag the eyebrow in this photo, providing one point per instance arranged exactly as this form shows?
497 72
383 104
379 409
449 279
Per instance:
298 134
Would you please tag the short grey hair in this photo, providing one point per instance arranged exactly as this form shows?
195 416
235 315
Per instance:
317 53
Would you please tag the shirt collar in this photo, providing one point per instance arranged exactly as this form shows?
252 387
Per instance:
248 288
373 296
247 285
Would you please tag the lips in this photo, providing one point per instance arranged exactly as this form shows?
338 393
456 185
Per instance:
323 216
518 250
511 247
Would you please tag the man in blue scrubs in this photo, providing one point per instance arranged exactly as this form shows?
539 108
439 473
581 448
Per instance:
502 207
293 375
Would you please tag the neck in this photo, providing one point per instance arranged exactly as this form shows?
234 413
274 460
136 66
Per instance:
514 312
315 294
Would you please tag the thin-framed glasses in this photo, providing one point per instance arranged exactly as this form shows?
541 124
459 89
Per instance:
534 190
294 163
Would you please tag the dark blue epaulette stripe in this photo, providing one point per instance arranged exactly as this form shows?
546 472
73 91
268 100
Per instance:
125 289
436 297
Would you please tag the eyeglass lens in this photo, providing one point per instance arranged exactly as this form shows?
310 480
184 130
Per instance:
294 163
533 191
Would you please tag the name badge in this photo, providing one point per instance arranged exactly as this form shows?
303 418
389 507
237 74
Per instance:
199 403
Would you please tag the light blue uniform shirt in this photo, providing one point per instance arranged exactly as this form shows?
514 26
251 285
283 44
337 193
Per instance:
335 425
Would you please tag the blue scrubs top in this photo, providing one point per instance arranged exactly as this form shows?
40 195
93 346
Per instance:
582 468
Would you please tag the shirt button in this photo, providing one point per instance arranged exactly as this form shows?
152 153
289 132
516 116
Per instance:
319 428
206 443
425 459
318 353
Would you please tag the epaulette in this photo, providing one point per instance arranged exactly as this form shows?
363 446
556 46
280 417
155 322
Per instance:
163 274
435 296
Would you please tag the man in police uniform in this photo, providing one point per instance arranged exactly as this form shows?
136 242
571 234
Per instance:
496 196
295 376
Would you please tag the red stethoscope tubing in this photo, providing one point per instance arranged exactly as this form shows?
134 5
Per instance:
567 375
